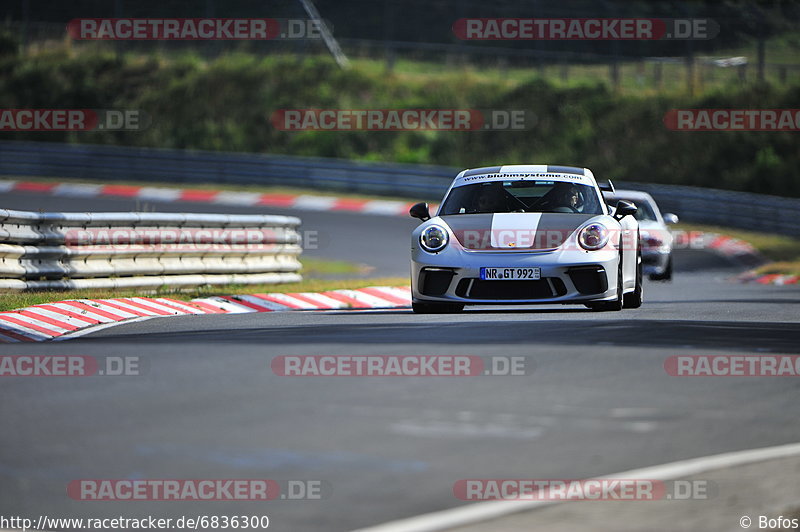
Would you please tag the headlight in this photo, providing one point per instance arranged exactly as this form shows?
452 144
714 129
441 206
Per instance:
593 236
433 238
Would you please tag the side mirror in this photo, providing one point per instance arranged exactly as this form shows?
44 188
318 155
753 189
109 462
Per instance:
670 218
625 208
420 210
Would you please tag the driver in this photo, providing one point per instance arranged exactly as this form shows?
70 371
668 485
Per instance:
567 197
490 199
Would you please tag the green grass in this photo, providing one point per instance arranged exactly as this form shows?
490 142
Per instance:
224 104
782 251
781 267
313 267
11 301
773 247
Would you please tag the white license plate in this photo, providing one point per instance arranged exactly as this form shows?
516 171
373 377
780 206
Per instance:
510 274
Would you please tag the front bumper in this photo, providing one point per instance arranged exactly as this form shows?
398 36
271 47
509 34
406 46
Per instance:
567 276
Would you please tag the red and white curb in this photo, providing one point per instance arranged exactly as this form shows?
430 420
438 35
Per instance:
218 197
733 248
64 319
768 278
748 255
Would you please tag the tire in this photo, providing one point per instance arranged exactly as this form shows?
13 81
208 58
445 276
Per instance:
635 298
436 308
616 304
667 275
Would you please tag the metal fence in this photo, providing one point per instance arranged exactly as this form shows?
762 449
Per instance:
752 212
756 212
45 251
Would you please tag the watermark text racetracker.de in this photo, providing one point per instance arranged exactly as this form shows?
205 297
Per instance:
402 119
399 366
581 29
71 366
226 489
522 238
597 489
195 29
179 239
73 120
733 365
732 120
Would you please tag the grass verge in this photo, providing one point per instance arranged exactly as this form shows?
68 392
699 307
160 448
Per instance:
783 251
313 267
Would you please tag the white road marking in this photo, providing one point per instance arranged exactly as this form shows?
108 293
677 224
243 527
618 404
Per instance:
485 511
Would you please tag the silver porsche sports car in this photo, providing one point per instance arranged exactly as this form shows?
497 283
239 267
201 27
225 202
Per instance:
525 234
656 238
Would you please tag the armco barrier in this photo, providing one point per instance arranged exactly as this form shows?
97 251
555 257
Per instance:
756 212
41 251
117 163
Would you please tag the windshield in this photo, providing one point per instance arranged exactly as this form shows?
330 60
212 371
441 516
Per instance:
522 196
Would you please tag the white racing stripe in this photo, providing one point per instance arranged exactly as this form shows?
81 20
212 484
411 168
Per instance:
523 168
83 312
384 207
315 203
154 303
130 307
292 301
231 307
27 331
43 324
264 303
237 198
24 331
323 301
56 316
159 194
178 304
514 227
395 292
368 299
79 190
106 308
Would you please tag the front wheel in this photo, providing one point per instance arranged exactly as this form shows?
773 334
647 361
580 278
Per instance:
436 308
667 275
635 298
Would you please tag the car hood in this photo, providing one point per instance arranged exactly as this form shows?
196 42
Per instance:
508 231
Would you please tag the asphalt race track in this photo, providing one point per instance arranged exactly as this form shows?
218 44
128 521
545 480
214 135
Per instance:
598 400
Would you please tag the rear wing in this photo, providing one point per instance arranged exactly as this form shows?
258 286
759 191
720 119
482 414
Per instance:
606 186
